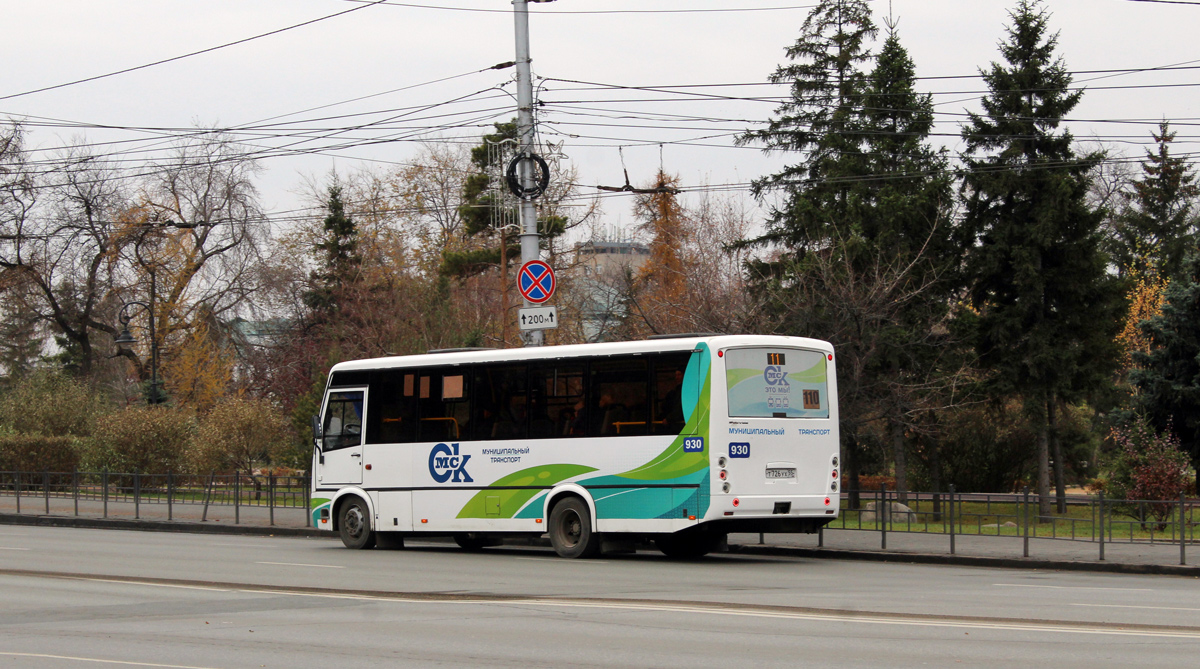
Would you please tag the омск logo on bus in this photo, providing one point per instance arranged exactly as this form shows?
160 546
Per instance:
775 376
445 462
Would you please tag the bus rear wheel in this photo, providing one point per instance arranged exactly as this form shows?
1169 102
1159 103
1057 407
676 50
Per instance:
687 547
571 531
354 524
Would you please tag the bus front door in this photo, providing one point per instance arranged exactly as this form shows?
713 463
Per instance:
342 437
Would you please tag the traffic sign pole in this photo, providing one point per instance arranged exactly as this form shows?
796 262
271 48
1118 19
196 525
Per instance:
530 248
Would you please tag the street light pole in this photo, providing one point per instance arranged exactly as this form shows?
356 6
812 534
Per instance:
125 340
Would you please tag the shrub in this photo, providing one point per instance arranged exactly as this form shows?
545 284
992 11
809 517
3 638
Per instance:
1146 466
147 440
50 403
37 453
241 434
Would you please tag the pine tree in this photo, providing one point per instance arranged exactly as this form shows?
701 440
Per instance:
1168 376
1048 310
907 192
338 252
823 121
1159 228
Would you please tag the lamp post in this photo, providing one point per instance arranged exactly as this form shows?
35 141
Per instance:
126 340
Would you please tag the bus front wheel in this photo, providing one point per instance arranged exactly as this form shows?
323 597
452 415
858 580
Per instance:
571 531
354 524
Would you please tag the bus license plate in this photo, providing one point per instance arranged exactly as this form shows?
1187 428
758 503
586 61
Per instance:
781 472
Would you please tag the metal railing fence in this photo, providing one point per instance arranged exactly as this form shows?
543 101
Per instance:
1081 518
1089 518
34 490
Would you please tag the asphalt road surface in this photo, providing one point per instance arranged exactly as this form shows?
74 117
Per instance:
92 598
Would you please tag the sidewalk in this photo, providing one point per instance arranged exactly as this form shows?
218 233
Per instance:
1004 551
990 551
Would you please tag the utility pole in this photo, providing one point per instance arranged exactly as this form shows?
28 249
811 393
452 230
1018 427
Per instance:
530 247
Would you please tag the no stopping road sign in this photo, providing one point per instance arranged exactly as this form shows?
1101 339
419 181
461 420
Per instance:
536 281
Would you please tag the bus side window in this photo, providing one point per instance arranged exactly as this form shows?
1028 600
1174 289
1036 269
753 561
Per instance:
617 403
502 403
393 415
443 404
667 387
556 395
343 420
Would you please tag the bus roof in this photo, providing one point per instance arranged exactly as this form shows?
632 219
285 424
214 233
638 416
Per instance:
460 357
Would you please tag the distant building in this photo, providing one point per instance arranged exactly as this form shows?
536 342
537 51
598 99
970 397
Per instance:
606 268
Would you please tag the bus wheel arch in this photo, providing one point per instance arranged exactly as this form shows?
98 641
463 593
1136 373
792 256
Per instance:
572 527
353 520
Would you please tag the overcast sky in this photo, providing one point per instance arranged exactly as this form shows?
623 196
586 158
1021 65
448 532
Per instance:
640 43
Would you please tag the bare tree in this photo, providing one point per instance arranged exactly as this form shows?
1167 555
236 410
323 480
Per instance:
57 240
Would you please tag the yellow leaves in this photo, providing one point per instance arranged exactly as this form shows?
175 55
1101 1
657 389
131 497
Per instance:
1145 301
664 284
199 370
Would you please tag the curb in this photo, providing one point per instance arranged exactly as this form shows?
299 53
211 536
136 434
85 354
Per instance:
161 526
753 549
967 560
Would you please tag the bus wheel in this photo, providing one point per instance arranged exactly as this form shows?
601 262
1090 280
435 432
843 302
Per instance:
354 524
571 531
688 547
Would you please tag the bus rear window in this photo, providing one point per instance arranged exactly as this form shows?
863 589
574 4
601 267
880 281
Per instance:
776 383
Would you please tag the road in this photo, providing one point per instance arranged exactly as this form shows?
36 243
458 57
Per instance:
86 598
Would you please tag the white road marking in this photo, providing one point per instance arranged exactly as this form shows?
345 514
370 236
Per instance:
99 660
5 548
1130 606
209 588
1067 587
297 564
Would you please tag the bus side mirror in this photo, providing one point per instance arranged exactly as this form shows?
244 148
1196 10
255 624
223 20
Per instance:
316 437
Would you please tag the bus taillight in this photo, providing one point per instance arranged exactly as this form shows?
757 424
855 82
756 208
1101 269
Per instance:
737 502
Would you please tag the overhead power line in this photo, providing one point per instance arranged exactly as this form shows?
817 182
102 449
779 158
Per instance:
194 53
481 10
1170 2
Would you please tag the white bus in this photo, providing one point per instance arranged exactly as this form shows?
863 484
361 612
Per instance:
680 440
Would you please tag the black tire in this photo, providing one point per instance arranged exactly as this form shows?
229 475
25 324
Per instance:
571 531
389 540
354 524
687 547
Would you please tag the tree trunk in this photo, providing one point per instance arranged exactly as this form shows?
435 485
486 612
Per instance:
1043 480
1060 486
901 458
933 447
